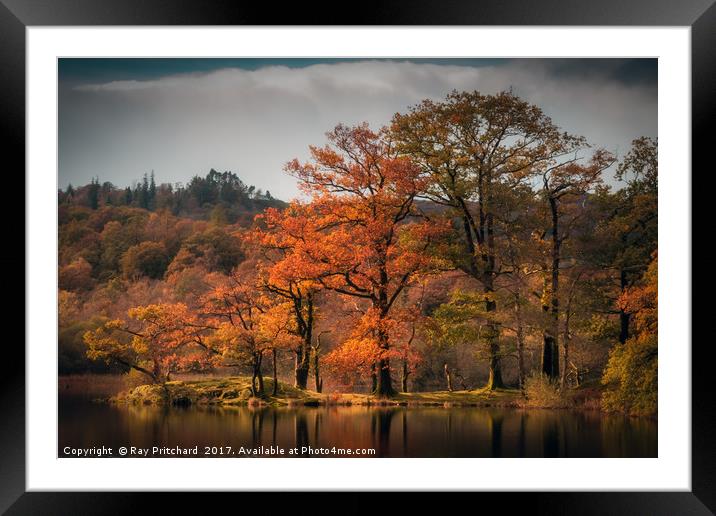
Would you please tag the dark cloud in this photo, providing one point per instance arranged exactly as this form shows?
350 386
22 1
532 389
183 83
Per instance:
251 119
625 71
78 70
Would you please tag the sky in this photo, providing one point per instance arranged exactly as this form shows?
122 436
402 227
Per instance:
121 118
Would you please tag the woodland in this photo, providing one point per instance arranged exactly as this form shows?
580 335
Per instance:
469 245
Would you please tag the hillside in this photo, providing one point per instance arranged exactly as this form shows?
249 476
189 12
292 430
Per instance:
222 196
145 243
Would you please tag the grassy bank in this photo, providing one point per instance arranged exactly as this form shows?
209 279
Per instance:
235 391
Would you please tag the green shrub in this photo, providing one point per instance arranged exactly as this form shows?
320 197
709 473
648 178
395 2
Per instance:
631 377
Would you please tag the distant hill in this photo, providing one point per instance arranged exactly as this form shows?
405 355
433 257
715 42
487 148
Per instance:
219 196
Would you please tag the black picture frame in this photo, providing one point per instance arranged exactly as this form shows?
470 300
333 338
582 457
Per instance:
17 15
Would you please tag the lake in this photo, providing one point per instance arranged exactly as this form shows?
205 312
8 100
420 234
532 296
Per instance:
390 432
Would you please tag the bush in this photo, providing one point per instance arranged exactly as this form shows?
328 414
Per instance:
631 377
542 392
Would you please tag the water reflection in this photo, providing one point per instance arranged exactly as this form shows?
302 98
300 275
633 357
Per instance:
257 424
301 426
380 420
496 434
392 432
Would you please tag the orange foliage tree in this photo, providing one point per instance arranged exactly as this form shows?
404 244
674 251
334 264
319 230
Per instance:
156 340
361 234
248 324
278 276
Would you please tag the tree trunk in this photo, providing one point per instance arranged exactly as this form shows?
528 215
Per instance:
301 367
550 354
554 311
146 372
492 336
624 317
254 389
565 369
384 386
303 313
448 377
484 235
567 316
275 375
316 371
384 383
460 377
495 381
520 343
257 376
404 376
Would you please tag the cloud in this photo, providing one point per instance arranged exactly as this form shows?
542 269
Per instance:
253 121
116 86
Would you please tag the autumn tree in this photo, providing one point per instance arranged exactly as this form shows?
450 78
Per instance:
156 340
470 146
248 324
275 240
360 235
145 259
214 248
411 324
279 327
461 320
117 236
565 180
630 377
521 255
628 221
316 351
76 275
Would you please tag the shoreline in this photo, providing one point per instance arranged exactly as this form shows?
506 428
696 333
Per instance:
234 391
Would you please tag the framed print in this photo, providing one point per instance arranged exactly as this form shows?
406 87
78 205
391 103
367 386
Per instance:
410 251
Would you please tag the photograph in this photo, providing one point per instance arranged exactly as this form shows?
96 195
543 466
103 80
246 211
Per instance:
364 257
394 249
